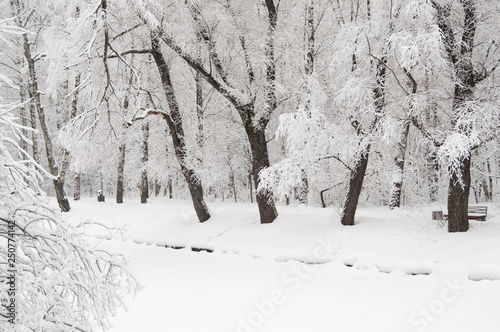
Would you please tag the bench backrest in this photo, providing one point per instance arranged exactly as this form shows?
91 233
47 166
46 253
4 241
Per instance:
478 209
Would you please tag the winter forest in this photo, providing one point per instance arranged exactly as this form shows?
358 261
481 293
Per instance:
207 119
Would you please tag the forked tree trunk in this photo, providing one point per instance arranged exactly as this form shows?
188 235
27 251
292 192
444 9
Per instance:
121 167
354 190
254 127
174 121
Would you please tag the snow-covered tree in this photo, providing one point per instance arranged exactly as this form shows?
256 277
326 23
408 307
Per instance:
59 277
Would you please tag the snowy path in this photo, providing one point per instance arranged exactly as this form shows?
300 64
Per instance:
254 281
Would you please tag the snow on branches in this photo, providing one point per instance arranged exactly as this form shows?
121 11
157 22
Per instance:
62 278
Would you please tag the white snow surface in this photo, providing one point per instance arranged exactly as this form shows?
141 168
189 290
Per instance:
393 271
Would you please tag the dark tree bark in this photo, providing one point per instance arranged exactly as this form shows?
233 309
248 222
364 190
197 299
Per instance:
458 193
120 171
459 188
34 135
359 170
24 119
62 200
250 186
144 160
77 192
354 190
260 160
170 190
255 128
490 181
174 122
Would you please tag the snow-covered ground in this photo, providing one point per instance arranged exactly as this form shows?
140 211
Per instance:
393 271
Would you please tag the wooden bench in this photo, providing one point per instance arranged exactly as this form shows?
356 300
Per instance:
478 212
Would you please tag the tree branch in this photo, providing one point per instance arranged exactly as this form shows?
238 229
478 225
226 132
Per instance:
202 31
424 131
336 158
145 51
386 66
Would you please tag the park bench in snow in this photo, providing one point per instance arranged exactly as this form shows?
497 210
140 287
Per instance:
478 212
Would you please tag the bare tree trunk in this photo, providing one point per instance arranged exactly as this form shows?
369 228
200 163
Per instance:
232 183
120 171
250 186
397 183
354 190
490 180
169 185
34 135
200 138
174 121
54 169
144 160
24 119
458 198
303 189
260 160
76 194
157 187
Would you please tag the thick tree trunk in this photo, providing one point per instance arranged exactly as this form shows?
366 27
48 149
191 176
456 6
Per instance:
355 185
458 191
144 160
255 127
260 160
174 121
62 200
120 170
458 199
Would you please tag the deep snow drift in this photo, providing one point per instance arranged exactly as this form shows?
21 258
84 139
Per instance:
393 271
